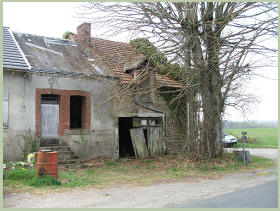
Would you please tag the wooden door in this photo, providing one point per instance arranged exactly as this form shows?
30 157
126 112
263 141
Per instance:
139 143
49 121
155 141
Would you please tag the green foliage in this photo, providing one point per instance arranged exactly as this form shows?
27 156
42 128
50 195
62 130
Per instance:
31 143
147 161
20 174
83 143
156 58
45 180
163 67
111 163
177 169
90 171
151 167
76 179
66 35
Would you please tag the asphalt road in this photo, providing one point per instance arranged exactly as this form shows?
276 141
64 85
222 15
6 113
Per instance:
260 196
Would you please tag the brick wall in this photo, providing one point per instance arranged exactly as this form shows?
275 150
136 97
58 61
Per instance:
64 108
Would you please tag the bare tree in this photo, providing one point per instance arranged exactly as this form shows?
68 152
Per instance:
217 44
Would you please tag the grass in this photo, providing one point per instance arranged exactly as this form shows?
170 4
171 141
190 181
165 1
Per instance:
257 137
133 171
28 176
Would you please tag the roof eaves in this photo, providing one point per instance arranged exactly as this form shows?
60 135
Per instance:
21 52
14 68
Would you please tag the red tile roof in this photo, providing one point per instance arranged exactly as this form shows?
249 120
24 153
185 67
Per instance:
116 54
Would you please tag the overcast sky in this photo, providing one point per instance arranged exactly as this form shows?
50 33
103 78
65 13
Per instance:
53 19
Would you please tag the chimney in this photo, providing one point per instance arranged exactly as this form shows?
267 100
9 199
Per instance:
83 34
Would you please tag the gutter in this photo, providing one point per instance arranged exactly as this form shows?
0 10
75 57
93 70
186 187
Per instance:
154 109
61 72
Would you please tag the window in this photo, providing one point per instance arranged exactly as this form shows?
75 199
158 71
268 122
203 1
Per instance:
49 99
5 109
76 112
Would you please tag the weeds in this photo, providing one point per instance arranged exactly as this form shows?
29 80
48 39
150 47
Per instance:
31 143
151 167
90 171
110 173
20 174
147 161
177 169
45 180
111 163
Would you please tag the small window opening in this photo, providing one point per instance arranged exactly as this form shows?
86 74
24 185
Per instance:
49 99
76 112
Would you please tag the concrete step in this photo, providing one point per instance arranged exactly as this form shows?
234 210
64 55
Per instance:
65 155
70 161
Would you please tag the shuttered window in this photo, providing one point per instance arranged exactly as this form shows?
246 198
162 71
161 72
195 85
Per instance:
5 109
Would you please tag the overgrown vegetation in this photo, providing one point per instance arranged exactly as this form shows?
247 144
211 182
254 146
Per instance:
218 46
107 173
67 35
28 176
31 143
156 58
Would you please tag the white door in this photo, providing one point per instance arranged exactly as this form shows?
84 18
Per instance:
49 121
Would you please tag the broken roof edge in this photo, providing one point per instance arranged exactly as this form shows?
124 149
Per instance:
136 64
21 52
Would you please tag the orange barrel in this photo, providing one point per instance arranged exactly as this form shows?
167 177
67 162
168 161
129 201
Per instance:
47 163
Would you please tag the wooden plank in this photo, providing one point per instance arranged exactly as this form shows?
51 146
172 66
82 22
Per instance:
155 142
139 143
49 120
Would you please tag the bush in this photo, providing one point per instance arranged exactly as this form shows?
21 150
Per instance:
45 180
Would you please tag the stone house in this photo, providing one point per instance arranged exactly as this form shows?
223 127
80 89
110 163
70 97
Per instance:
57 88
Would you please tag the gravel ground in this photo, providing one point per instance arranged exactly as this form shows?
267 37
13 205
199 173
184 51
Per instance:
154 196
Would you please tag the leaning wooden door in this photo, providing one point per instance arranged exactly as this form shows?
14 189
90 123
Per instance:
49 121
139 143
155 141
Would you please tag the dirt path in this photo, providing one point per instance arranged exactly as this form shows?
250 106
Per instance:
129 196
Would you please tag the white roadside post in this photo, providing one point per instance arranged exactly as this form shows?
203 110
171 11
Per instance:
244 137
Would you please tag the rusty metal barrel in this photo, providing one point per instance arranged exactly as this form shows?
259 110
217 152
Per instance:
47 163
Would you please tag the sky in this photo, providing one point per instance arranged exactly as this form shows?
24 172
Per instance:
52 19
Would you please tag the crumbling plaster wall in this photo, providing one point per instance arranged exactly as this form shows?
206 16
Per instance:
22 112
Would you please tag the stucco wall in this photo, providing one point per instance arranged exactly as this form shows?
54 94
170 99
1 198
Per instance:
22 110
103 132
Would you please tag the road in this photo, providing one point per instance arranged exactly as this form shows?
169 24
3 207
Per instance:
260 196
153 196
